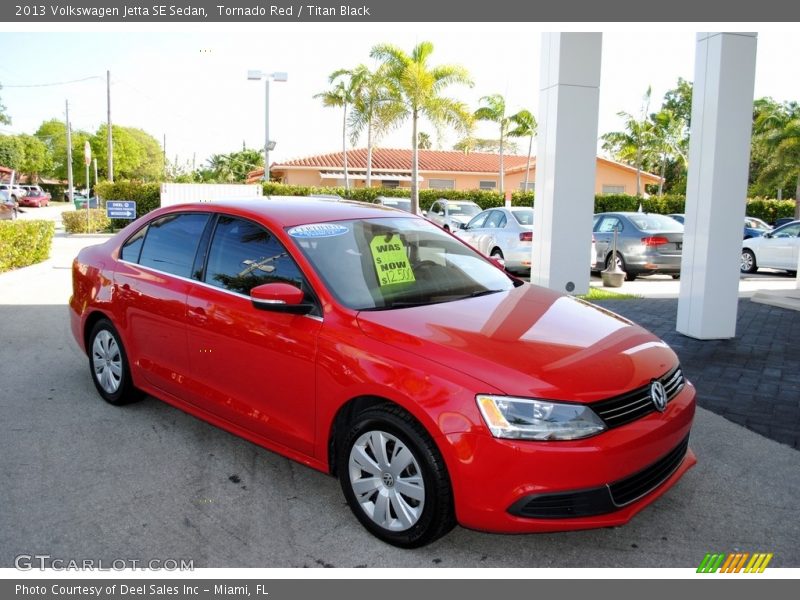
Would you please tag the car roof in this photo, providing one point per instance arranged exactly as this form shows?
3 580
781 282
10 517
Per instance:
287 211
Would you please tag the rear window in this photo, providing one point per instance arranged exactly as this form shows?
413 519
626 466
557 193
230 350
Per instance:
523 217
651 222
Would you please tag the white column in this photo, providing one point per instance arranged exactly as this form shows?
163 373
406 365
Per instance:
569 92
719 155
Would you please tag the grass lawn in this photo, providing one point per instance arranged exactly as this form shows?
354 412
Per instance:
603 294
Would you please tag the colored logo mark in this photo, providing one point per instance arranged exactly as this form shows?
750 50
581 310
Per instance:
739 562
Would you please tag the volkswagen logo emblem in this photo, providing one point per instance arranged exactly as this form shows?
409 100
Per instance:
658 395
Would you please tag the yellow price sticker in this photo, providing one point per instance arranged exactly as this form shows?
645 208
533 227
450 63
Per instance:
391 260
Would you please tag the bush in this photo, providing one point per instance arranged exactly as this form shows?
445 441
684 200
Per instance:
769 210
24 243
75 221
146 195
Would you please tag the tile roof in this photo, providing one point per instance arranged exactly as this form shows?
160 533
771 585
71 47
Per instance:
394 159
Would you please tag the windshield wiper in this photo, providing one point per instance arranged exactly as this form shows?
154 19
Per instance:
483 293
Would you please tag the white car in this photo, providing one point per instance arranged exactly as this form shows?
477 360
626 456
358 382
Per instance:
452 215
776 249
504 234
14 191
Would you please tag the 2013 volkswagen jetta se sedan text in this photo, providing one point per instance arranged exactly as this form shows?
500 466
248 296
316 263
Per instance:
370 344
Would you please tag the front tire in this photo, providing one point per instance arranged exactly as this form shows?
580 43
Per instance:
108 365
748 262
394 478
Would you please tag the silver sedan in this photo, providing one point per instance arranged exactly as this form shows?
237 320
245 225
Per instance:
504 234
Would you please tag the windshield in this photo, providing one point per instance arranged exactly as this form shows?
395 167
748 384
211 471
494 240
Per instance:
396 262
467 210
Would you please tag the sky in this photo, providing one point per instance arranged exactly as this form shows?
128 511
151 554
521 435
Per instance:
188 84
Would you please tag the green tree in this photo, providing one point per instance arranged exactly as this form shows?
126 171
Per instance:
670 140
232 167
417 89
495 111
4 118
36 157
137 154
776 140
341 95
525 125
11 152
53 134
635 143
424 141
373 110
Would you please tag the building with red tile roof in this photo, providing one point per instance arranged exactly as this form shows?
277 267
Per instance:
438 169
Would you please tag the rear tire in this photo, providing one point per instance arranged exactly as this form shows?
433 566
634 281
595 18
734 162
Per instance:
108 365
394 478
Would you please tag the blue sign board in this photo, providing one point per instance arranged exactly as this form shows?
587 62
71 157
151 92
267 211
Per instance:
121 209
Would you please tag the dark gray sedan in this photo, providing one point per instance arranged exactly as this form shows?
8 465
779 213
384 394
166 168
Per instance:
647 243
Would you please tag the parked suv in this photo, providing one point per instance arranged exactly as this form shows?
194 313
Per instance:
452 215
15 192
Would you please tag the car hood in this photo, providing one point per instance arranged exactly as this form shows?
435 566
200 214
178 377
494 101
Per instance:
529 342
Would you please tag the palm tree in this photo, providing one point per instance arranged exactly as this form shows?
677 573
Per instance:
341 95
669 139
778 126
416 90
424 141
525 125
373 110
634 144
495 111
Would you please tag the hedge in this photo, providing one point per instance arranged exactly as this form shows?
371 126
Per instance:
24 243
148 197
75 221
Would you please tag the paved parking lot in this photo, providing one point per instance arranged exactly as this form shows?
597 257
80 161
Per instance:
82 479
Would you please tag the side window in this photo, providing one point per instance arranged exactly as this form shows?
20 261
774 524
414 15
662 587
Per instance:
171 243
608 224
243 255
496 220
788 232
436 208
477 221
133 247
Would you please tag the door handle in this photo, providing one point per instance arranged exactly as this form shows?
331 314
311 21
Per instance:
197 314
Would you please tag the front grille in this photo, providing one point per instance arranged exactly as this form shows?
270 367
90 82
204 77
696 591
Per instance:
634 405
605 499
634 487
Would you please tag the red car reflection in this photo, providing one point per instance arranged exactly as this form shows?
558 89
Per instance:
369 344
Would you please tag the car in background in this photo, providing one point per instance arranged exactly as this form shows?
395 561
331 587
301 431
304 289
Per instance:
371 345
35 196
504 234
334 197
753 226
452 215
782 221
8 208
80 201
15 192
398 203
776 249
647 243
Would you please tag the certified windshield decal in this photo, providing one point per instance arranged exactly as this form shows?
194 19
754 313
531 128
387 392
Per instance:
391 260
318 230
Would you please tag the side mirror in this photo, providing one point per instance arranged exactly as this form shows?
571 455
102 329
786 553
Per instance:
280 297
424 213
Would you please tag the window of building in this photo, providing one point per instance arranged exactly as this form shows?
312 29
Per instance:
442 184
170 243
243 255
487 185
530 188
390 183
613 189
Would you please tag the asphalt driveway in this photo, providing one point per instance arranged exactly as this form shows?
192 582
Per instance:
82 479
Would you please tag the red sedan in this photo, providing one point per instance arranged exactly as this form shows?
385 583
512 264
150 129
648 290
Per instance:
371 345
36 196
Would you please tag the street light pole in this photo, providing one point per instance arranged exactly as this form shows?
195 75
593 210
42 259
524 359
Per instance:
268 145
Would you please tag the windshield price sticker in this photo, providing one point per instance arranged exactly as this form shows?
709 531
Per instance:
318 230
391 261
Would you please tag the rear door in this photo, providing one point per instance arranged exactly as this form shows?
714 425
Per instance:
252 367
150 287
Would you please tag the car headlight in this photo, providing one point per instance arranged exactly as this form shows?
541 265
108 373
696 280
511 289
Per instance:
527 419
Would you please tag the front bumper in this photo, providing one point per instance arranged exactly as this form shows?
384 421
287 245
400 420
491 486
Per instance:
494 480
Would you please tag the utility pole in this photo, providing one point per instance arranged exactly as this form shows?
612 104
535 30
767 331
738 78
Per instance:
70 191
95 175
110 175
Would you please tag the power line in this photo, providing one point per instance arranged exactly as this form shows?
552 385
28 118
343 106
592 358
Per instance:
38 85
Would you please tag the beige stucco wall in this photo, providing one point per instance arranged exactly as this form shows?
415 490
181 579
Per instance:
607 174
